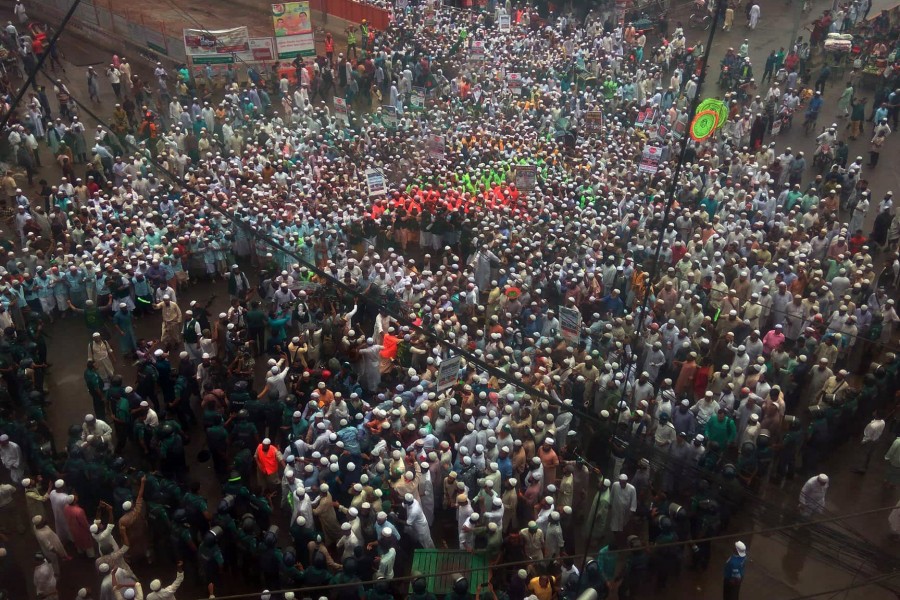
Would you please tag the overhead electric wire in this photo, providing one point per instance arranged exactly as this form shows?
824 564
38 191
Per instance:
38 67
399 318
522 563
589 417
654 264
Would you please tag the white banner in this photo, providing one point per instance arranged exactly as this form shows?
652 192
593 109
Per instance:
261 50
217 46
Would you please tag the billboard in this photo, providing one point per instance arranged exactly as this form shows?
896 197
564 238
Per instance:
293 29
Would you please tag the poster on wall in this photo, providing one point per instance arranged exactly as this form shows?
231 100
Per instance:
293 29
218 46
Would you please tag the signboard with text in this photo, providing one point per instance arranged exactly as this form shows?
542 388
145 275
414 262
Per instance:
526 177
476 52
593 121
436 146
293 29
417 98
217 46
375 182
514 81
650 158
448 372
569 323
340 110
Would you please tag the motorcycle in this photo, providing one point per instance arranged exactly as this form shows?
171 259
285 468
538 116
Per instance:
726 79
785 119
824 157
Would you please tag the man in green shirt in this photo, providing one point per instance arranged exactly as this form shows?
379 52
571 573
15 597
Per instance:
721 429
95 387
256 321
122 421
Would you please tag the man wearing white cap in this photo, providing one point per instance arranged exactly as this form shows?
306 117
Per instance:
59 499
44 578
97 428
12 458
103 535
600 508
549 460
123 321
734 572
268 461
101 353
812 495
623 503
191 334
133 528
158 592
415 519
49 542
170 336
275 381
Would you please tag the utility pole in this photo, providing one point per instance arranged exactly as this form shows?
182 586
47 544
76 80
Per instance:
672 188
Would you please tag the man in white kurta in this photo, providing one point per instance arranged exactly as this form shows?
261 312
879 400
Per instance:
622 504
59 499
812 496
12 458
415 519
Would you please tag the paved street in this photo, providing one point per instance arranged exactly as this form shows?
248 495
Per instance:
779 568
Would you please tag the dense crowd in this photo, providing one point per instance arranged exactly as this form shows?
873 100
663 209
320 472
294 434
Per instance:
634 354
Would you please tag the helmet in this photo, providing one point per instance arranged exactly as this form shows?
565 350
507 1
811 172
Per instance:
460 585
180 516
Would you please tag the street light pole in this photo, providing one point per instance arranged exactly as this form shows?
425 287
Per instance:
672 188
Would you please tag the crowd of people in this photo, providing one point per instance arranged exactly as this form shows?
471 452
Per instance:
631 355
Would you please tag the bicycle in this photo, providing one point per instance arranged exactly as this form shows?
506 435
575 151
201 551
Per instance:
701 20
809 124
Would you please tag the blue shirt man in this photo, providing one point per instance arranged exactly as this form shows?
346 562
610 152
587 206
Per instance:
734 571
